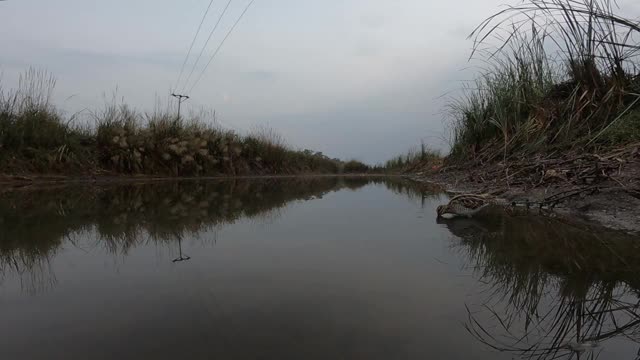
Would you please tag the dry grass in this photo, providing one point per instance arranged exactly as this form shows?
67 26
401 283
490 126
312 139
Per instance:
36 138
414 159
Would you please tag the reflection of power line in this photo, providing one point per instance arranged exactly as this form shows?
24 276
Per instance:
182 257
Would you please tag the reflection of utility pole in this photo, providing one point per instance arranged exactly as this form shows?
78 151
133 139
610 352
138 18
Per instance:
181 257
181 99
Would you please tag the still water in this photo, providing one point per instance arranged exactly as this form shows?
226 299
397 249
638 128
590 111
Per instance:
306 268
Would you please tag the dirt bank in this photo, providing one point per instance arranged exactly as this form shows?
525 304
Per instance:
602 189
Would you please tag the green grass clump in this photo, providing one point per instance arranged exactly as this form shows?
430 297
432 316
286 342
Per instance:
566 77
36 138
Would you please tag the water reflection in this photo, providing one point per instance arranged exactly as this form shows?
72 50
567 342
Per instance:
36 223
552 289
352 274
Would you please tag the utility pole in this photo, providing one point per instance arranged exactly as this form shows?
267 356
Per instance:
181 99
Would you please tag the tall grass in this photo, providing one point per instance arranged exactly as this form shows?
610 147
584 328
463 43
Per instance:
560 74
33 134
36 138
415 158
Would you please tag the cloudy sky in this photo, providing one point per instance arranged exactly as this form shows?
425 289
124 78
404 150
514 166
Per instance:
355 79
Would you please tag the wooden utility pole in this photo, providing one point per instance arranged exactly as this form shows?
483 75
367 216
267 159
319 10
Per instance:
181 99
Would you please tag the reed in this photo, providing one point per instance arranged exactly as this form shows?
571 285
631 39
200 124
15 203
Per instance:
559 75
415 159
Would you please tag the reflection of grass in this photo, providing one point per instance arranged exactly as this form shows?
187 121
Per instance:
523 245
415 191
550 283
47 216
560 325
35 223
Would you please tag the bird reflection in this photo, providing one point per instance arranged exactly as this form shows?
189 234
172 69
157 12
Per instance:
465 228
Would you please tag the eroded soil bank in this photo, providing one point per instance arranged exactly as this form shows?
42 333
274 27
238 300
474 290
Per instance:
596 189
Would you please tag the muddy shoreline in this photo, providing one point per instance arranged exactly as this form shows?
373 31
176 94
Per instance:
606 204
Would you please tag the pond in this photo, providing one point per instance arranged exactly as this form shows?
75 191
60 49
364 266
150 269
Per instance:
303 268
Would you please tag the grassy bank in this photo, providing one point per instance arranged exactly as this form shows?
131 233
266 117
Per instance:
415 159
559 76
36 138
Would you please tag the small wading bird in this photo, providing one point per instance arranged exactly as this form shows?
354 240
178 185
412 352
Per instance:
466 205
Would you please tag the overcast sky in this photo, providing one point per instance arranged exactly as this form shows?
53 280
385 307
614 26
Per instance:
355 79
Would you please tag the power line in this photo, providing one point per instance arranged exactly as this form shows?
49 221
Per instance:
193 43
206 43
220 46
